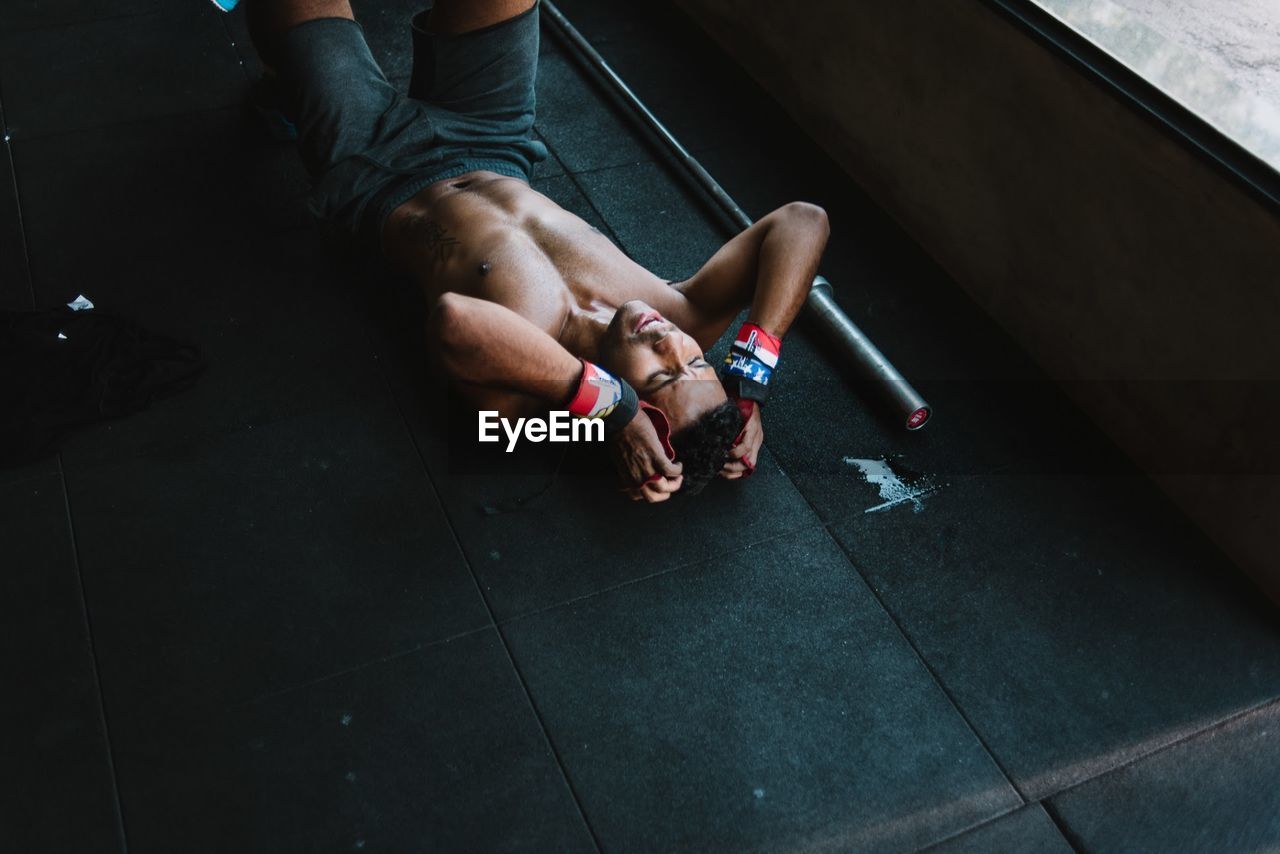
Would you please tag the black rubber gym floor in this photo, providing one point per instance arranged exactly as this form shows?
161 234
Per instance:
272 613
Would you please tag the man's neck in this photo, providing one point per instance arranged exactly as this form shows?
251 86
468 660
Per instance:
584 328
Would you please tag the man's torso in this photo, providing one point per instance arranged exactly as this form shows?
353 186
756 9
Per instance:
495 238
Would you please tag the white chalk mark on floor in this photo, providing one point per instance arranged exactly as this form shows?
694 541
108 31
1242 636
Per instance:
892 488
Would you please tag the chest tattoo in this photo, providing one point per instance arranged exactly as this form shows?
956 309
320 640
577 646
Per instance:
436 239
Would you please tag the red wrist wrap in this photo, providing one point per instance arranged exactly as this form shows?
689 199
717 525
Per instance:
750 363
602 395
754 340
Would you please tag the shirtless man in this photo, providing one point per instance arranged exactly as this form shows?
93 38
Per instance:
533 308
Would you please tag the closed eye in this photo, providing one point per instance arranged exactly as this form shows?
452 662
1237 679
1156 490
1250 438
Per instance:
661 379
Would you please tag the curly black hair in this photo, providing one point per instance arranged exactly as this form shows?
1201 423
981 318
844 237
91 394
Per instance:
702 446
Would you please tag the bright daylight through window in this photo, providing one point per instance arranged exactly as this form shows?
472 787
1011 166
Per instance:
1219 58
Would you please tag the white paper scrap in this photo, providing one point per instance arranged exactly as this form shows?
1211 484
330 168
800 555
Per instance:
80 303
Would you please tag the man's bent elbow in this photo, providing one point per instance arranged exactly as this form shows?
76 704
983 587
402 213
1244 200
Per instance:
813 216
447 329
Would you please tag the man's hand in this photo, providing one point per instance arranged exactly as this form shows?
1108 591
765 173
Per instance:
746 448
642 464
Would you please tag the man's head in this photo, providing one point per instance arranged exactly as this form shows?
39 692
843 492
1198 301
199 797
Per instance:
667 368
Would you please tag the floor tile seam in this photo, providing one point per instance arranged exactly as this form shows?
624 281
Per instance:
982 741
357 668
552 158
636 134
1060 824
502 638
596 170
573 58
87 618
235 46
615 106
582 191
659 155
978 825
42 136
546 735
813 525
614 99
22 222
1272 702
664 160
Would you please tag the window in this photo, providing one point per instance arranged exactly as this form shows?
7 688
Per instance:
1218 58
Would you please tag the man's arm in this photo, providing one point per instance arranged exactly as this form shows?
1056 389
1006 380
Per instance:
769 266
486 345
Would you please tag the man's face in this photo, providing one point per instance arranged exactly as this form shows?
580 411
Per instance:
664 365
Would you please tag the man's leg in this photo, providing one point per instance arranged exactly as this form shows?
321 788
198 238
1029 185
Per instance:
324 78
479 58
268 19
454 17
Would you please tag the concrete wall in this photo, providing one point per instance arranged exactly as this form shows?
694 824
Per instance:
1136 274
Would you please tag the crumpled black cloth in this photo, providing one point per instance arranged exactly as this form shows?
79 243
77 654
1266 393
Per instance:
105 366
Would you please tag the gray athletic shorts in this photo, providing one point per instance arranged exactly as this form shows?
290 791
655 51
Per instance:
369 148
